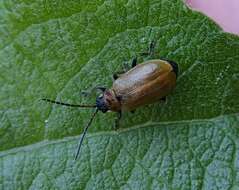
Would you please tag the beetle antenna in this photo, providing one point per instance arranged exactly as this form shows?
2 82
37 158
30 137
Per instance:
66 104
84 133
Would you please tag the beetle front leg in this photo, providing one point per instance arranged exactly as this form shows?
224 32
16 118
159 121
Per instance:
117 120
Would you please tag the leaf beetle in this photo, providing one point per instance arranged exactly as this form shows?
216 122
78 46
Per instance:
143 84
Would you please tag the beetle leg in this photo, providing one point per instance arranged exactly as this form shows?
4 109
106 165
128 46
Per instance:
150 51
91 91
119 98
117 120
117 74
126 68
151 47
134 62
163 99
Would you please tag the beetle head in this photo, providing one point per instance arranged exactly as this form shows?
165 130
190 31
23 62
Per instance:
108 101
101 104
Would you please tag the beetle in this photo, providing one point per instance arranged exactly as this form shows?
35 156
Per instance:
143 84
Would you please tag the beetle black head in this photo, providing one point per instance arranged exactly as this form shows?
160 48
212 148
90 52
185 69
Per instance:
101 104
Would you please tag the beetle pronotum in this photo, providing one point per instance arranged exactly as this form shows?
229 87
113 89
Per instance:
143 84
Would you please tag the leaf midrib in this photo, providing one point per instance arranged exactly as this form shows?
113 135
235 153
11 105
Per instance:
43 143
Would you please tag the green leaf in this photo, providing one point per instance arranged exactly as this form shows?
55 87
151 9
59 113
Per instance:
56 49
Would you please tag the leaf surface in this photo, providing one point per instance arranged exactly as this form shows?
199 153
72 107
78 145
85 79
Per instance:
57 49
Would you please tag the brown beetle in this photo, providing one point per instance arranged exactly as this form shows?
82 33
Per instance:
143 84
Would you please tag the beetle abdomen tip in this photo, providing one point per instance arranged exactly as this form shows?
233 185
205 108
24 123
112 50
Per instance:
175 66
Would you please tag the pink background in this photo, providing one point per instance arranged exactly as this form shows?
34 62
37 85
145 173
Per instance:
224 12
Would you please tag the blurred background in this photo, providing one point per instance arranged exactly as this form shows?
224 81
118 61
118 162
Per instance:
224 12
